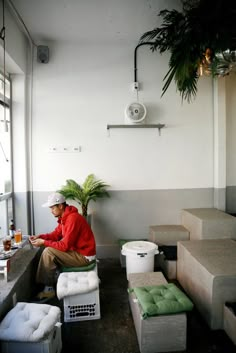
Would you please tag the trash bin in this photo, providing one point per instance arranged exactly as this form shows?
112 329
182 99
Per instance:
139 256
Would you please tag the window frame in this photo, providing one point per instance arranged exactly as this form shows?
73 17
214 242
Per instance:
6 198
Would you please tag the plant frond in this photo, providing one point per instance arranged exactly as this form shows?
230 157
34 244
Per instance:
187 35
150 35
91 189
72 191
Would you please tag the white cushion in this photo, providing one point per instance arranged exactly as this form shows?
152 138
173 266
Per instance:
71 283
29 322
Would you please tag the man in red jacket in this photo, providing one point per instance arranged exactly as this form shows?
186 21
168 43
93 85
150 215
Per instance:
71 244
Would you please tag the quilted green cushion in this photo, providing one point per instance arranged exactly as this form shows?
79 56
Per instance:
162 300
89 267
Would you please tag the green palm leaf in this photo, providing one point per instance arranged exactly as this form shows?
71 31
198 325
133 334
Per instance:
187 35
91 189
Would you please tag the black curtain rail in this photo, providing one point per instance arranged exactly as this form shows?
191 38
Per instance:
135 57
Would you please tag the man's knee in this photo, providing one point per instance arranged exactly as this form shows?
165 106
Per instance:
48 252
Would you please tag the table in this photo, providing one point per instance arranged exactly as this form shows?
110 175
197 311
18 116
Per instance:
7 257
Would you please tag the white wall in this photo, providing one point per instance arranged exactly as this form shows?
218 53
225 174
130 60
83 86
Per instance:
231 128
87 85
84 88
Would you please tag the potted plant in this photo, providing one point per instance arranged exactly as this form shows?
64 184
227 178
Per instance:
91 189
201 40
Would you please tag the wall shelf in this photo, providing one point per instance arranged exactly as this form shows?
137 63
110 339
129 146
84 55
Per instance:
136 126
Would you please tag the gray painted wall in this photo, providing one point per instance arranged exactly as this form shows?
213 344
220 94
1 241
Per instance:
231 199
128 214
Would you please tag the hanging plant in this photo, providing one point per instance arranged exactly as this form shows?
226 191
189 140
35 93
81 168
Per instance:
200 39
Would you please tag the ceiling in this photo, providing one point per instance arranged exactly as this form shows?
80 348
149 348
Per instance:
83 20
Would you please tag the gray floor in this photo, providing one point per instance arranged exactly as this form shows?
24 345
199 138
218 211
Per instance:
115 332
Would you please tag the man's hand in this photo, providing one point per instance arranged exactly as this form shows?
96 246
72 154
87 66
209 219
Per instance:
33 237
36 241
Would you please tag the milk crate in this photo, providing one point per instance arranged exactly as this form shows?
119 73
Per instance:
51 344
81 307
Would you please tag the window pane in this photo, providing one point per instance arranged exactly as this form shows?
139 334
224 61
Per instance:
5 154
6 200
7 86
6 212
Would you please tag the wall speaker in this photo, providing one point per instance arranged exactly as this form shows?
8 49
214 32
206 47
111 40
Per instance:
42 54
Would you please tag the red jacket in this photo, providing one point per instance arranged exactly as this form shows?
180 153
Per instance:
72 233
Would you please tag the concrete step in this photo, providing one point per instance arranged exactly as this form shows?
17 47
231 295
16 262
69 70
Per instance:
208 223
168 267
167 234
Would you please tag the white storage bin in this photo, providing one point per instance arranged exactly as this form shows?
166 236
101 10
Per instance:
80 307
31 328
139 256
51 344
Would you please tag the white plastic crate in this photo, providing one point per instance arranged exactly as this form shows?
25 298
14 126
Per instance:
51 344
81 307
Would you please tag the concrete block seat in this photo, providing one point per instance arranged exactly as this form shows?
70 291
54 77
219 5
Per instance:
208 223
167 260
167 234
206 270
230 320
162 333
166 237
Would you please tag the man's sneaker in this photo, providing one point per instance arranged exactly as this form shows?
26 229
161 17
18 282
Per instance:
46 295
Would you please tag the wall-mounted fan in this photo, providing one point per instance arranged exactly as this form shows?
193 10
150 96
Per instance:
135 113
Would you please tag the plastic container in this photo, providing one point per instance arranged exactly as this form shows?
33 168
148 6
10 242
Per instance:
139 256
83 306
51 344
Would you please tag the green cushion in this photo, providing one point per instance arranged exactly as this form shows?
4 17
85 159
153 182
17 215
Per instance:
89 267
124 241
162 300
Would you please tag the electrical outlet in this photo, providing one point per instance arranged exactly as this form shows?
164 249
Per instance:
76 149
135 86
64 149
52 149
14 299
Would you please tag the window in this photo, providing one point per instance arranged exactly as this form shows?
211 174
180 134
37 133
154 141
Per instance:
6 201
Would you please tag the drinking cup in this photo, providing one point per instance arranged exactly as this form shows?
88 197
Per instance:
7 244
18 236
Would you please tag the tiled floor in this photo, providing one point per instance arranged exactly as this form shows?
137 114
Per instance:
115 332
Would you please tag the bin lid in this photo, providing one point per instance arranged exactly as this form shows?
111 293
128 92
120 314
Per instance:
139 246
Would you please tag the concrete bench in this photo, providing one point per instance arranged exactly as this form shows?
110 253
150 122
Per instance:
164 333
206 270
21 279
167 260
208 223
230 320
167 235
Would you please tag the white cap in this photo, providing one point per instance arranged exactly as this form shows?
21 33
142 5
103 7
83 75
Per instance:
54 199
